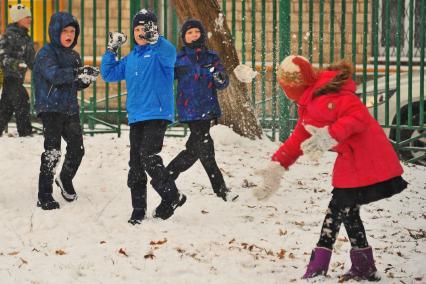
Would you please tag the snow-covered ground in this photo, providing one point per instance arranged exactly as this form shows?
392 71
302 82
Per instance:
207 240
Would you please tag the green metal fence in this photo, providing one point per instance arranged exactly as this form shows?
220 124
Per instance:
384 40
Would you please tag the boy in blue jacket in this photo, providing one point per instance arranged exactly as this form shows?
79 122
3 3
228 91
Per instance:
199 74
148 71
58 75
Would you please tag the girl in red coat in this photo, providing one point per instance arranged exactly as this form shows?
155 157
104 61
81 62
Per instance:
367 168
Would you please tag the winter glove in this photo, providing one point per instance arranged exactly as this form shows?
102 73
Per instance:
151 32
116 39
271 175
320 141
87 74
15 64
219 77
22 66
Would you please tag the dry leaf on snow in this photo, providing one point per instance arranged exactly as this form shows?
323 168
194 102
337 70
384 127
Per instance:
281 253
149 255
122 251
160 242
60 252
23 260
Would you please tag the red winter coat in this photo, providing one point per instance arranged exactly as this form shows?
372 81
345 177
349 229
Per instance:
365 156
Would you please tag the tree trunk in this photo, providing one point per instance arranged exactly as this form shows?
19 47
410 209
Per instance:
238 112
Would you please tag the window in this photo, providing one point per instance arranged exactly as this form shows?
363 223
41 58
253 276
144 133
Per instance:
404 22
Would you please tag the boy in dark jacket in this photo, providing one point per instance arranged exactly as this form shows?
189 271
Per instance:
199 74
148 71
58 75
16 56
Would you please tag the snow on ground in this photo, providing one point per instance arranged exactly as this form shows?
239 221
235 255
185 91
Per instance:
207 240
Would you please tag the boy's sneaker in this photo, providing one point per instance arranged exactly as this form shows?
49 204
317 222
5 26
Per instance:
166 208
47 202
138 215
67 189
224 193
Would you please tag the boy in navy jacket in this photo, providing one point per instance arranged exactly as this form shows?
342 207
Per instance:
58 75
148 71
199 74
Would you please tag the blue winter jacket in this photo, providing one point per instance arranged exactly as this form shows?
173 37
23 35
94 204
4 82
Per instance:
197 96
54 70
148 71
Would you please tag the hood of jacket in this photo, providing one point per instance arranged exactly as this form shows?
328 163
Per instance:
58 22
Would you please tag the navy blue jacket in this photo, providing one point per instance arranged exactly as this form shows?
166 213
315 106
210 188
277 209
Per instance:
55 70
148 71
196 89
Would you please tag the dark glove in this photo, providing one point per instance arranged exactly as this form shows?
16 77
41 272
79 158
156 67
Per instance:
151 32
87 74
116 39
219 77
15 64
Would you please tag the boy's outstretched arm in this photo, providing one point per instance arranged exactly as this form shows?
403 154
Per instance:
166 53
113 70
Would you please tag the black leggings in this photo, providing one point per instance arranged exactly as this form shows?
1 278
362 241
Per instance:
350 217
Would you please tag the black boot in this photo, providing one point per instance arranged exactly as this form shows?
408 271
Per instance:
139 205
67 188
45 189
46 202
224 193
168 206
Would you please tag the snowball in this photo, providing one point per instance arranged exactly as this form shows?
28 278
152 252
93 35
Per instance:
244 73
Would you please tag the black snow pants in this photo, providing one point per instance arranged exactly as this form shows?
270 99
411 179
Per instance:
14 99
55 126
146 142
200 145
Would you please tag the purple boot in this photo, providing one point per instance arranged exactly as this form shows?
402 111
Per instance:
363 267
318 264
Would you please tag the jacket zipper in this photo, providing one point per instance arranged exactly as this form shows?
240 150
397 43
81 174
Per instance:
51 86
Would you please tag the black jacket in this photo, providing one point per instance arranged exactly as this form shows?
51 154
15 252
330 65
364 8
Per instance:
16 52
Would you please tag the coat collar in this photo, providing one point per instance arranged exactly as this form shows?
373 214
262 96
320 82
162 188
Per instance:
14 27
324 78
